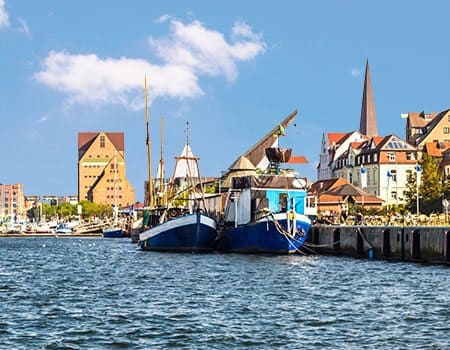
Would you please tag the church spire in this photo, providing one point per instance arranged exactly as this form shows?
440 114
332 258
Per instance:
368 122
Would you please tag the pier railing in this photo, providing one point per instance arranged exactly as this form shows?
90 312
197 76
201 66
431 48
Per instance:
393 220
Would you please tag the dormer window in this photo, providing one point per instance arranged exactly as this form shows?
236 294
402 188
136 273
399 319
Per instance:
391 156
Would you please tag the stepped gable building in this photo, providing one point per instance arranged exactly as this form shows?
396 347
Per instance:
102 169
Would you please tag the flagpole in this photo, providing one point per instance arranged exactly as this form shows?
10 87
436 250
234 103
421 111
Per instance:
417 192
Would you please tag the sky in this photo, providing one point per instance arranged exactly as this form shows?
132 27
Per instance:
232 69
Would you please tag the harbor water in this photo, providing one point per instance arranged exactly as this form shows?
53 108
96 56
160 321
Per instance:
103 294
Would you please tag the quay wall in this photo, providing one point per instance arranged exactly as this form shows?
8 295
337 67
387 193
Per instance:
397 243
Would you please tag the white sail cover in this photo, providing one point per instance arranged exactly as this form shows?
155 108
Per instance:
186 168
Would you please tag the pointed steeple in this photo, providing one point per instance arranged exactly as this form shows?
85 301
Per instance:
368 122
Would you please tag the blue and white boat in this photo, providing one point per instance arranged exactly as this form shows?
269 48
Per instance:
265 213
194 232
114 233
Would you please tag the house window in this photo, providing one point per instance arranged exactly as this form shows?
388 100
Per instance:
410 156
350 178
393 195
394 175
375 157
446 130
102 141
391 156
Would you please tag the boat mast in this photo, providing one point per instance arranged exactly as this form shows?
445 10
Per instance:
161 166
148 143
116 209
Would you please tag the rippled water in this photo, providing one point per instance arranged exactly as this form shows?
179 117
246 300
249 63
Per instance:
99 293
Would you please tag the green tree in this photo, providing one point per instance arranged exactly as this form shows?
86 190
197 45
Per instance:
411 192
430 188
430 185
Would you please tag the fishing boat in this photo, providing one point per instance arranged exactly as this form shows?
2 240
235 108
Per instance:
183 225
266 207
265 214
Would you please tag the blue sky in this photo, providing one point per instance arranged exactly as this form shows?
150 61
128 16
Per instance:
233 69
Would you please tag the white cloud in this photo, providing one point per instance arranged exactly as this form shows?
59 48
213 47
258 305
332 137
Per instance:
42 119
23 27
91 79
190 51
206 51
355 72
163 18
4 18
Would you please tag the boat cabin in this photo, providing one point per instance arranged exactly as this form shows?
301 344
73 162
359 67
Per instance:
253 197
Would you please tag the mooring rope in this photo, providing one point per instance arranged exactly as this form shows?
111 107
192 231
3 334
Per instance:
286 234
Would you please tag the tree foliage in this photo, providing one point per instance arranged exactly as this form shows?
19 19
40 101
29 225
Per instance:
430 187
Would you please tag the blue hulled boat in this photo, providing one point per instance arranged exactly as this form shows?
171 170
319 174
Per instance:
187 233
182 224
265 214
114 233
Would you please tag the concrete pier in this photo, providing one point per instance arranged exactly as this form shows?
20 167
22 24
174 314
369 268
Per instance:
416 244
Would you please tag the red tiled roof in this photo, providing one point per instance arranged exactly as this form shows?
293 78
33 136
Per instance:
335 137
378 139
417 120
436 149
298 160
327 184
86 138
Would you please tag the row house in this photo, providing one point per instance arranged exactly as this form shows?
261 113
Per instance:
333 146
425 128
388 162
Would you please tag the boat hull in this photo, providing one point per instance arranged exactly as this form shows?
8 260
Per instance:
189 233
114 233
264 236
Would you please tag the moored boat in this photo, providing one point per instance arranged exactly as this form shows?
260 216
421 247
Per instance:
194 232
265 214
181 222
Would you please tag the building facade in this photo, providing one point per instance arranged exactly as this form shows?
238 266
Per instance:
102 169
423 128
388 161
12 201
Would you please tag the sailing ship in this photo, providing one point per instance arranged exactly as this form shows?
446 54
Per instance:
265 211
183 224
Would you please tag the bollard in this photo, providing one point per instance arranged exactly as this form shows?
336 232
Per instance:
371 255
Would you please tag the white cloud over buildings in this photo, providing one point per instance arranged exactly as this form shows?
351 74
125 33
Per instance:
189 51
